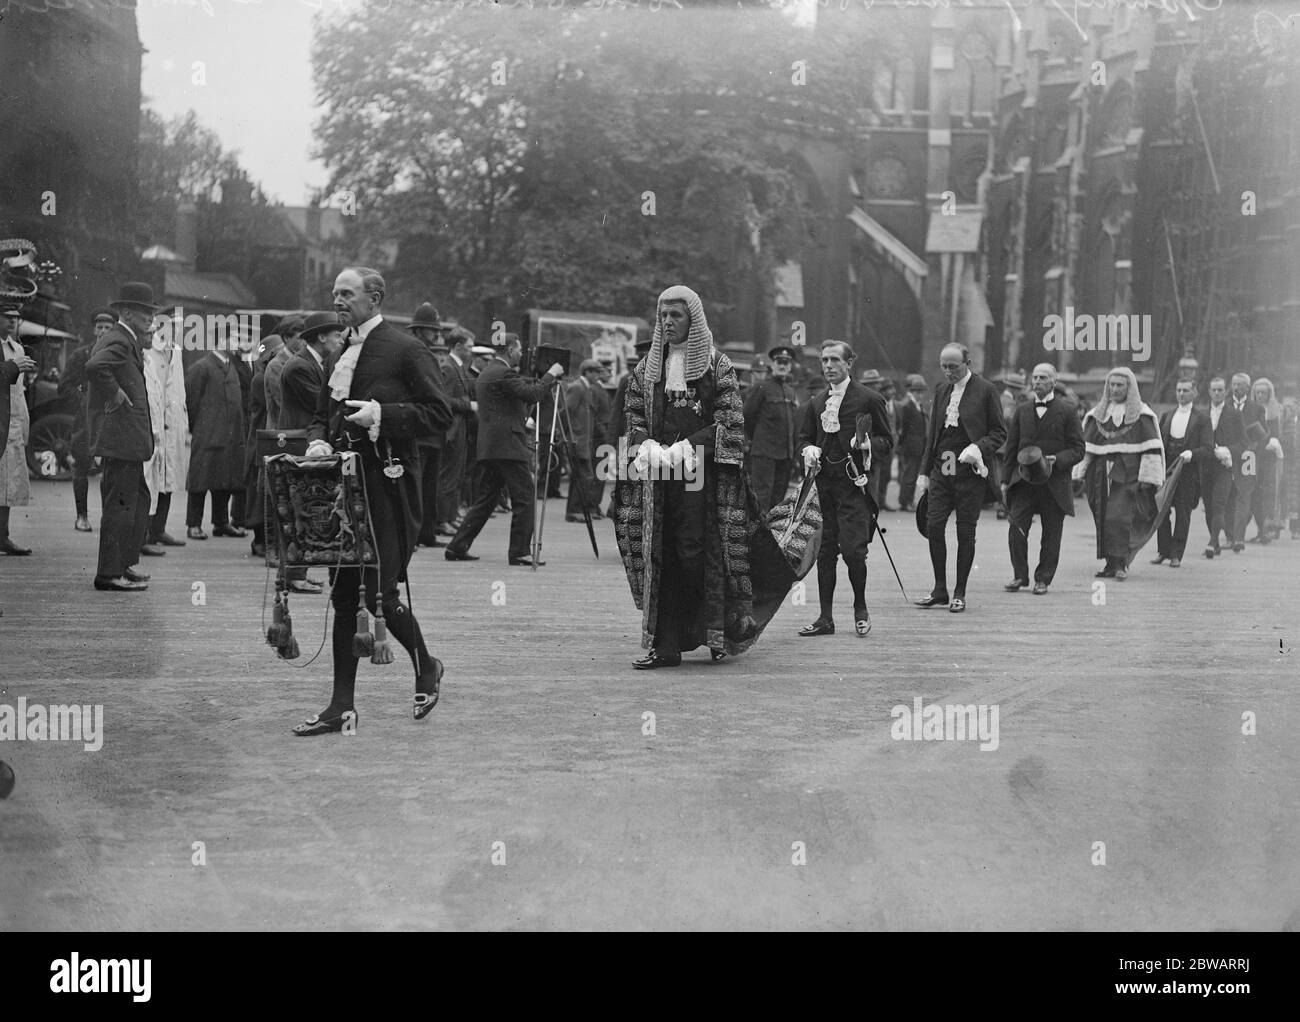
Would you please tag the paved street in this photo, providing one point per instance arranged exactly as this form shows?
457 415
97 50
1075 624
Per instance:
771 794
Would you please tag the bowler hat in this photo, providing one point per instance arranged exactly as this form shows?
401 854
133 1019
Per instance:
134 294
871 377
319 323
103 313
923 513
1033 466
426 316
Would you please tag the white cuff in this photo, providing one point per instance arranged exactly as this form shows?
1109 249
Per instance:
811 455
377 410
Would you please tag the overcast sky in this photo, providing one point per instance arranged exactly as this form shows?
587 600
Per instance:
258 95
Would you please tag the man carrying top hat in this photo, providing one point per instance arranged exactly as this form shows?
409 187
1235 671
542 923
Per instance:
73 384
15 424
122 437
836 425
1044 443
966 429
771 423
1189 438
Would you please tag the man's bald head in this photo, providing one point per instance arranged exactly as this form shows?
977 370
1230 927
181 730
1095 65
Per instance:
954 360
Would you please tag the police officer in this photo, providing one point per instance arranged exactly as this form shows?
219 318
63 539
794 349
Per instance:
771 414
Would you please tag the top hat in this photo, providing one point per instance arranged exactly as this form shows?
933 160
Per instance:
135 295
915 381
871 377
1033 466
319 323
426 316
783 351
103 313
923 513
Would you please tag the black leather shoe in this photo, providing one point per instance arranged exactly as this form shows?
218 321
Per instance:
653 660
330 725
1210 553
525 562
424 702
11 548
121 584
1016 584
1159 560
1105 573
1238 547
1040 588
932 601
257 549
82 524
152 550
456 555
822 626
233 531
1176 562
958 605
196 532
163 539
862 622
136 576
303 586
717 654
574 518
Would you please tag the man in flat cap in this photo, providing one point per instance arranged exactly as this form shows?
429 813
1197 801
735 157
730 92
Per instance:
771 423
910 413
73 384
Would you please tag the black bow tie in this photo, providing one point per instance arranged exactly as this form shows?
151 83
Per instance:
1040 404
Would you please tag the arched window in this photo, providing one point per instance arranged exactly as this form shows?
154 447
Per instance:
973 78
893 87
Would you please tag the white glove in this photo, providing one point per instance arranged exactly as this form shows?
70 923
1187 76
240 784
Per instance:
1186 456
556 370
473 406
1224 455
922 484
812 459
366 414
973 457
648 455
319 449
1274 445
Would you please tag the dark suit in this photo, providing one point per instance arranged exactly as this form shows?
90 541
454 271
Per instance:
1172 537
910 447
300 386
504 401
771 423
73 384
215 402
9 373
1216 480
118 413
399 373
1245 470
583 404
848 511
955 487
451 467
1056 432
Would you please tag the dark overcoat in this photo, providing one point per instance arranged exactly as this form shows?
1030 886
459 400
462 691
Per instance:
215 401
118 403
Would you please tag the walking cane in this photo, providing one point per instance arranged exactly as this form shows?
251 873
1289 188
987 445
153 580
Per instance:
862 441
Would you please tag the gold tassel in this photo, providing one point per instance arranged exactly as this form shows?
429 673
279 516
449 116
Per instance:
383 653
363 643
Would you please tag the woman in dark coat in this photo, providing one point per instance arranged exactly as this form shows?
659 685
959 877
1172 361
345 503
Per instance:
216 406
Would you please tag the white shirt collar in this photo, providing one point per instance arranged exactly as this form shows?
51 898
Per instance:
839 388
1183 410
363 331
320 361
455 359
1045 400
